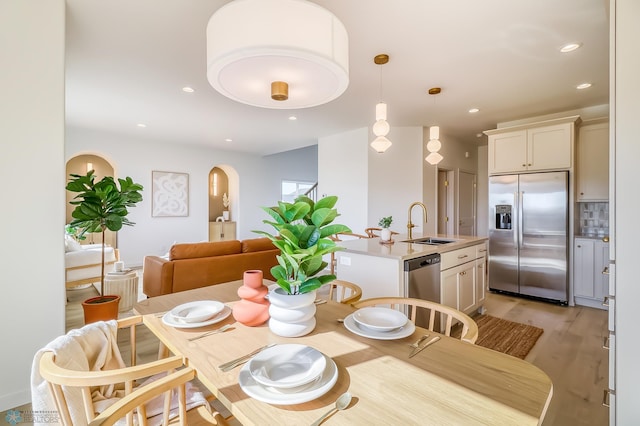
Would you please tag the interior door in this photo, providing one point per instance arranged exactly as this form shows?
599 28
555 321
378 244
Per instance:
466 203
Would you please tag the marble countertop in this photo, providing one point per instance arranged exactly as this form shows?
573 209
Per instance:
404 250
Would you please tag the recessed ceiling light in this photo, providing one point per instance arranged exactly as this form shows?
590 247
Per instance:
583 86
473 110
188 89
479 135
141 125
228 140
293 118
570 47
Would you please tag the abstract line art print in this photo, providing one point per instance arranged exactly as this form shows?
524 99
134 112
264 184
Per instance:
170 194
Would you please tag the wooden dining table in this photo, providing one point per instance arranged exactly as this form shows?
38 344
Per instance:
449 383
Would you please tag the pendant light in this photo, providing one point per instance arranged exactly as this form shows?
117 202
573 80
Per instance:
434 145
381 127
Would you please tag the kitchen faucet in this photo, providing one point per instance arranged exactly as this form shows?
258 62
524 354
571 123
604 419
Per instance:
410 225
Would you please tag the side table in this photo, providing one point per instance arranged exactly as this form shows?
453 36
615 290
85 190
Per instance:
124 285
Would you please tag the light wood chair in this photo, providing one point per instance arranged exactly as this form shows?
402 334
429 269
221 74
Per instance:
344 292
342 236
447 314
65 385
372 232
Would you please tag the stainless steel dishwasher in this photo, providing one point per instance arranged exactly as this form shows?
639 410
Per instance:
422 278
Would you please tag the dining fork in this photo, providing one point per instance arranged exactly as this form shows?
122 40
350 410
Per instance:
228 366
209 333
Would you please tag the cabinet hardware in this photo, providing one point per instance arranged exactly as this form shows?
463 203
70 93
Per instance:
463 256
483 250
529 164
605 343
605 271
579 246
524 165
605 302
606 397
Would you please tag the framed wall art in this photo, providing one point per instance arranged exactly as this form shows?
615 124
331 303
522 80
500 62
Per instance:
170 194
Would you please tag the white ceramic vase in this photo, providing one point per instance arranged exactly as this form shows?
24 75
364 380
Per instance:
385 234
292 315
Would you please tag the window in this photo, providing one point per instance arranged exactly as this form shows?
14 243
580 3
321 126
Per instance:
291 189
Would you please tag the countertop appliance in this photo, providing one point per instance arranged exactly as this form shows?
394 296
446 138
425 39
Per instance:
422 278
528 235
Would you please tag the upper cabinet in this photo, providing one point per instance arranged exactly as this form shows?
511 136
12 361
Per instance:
540 146
592 183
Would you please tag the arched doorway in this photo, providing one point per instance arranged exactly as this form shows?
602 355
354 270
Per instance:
80 165
223 203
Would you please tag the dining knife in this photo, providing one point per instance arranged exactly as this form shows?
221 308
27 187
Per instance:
419 349
227 366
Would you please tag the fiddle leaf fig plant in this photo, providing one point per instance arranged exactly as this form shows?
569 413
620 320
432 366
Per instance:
304 228
102 205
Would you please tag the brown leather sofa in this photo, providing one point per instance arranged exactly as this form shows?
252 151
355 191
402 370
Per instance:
195 265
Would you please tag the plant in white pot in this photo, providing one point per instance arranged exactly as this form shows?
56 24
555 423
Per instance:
100 206
304 228
385 223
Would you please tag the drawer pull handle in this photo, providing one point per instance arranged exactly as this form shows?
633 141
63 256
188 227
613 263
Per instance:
483 250
606 397
605 271
605 302
605 343
463 256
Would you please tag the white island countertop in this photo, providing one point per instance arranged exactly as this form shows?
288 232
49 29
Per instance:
405 250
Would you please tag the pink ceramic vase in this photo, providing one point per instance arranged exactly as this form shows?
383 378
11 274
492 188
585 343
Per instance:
253 308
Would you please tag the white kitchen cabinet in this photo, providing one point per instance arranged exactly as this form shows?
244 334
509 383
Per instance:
534 147
590 284
460 285
592 162
222 231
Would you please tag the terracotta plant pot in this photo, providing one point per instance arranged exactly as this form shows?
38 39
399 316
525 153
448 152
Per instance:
101 308
253 308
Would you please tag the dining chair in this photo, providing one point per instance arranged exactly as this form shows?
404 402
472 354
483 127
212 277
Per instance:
342 236
344 292
82 374
143 395
447 314
371 232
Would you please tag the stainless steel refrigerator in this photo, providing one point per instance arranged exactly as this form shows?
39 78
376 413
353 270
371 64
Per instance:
528 234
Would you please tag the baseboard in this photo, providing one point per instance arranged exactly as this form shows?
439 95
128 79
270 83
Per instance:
15 400
592 303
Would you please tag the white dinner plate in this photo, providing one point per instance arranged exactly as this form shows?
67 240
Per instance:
287 396
380 319
287 366
170 320
399 333
198 311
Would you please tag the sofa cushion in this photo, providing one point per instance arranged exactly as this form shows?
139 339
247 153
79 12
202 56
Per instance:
257 244
208 249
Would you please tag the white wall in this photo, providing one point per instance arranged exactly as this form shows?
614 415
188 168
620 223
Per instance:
31 169
627 207
395 180
371 185
343 172
259 185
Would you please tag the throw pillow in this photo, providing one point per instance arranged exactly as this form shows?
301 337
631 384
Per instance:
70 244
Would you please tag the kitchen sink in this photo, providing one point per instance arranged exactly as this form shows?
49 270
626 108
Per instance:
432 241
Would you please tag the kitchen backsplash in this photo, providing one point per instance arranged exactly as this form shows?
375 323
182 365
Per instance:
594 219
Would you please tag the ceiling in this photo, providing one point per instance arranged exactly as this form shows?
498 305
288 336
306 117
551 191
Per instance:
127 61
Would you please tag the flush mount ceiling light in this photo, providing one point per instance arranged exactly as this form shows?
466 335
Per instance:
570 47
280 54
381 127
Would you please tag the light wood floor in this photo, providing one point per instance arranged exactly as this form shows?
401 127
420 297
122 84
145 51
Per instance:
569 351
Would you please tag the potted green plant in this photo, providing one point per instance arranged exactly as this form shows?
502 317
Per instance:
304 228
385 223
100 206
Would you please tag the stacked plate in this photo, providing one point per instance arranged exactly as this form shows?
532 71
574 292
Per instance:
379 323
288 374
196 314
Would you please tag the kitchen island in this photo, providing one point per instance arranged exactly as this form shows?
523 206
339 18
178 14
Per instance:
382 269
